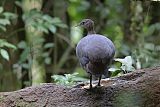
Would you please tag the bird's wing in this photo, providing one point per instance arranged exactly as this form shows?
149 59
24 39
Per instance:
83 61
98 53
81 54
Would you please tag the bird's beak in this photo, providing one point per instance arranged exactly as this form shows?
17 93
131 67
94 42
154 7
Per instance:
78 25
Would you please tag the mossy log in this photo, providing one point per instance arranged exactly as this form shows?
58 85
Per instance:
137 89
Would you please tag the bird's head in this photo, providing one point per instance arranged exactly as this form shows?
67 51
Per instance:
87 24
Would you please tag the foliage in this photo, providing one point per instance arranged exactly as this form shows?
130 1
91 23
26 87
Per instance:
42 22
67 79
126 63
28 53
4 52
5 18
126 66
146 51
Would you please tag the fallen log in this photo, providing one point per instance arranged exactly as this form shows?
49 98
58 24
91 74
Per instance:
137 89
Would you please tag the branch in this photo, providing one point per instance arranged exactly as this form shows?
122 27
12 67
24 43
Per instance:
137 89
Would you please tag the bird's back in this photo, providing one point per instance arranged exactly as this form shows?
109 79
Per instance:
96 52
96 47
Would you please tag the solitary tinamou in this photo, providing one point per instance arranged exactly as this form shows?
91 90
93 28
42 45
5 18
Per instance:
95 52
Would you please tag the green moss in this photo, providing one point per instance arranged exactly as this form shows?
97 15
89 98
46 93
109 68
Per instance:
128 99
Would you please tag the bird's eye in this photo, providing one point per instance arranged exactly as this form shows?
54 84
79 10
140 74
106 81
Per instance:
82 23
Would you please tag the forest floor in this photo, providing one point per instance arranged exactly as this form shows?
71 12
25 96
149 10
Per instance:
137 89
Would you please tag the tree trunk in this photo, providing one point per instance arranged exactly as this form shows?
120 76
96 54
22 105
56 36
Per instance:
137 89
37 65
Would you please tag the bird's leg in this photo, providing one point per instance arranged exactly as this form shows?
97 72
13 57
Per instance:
99 81
90 81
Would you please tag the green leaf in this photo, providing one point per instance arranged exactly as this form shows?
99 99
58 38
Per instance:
126 63
18 3
22 45
9 15
52 28
68 79
56 20
25 65
48 45
42 28
24 55
62 25
4 22
9 45
4 54
47 60
3 28
2 42
113 69
39 41
1 9
48 18
115 73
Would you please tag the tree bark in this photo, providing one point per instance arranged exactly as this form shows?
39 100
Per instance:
33 36
137 89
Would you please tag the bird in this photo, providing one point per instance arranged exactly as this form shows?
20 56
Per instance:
95 52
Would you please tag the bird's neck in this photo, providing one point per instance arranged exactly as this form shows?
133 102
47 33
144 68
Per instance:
91 30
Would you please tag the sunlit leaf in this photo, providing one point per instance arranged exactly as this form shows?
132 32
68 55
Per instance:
9 15
22 45
56 20
113 69
4 22
25 65
52 28
3 28
9 45
4 54
42 28
67 79
1 9
18 3
47 18
4 43
126 63
48 45
62 25
47 60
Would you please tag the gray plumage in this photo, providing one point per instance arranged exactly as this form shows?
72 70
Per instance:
95 52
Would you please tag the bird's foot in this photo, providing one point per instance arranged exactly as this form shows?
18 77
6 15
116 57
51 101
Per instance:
97 86
88 87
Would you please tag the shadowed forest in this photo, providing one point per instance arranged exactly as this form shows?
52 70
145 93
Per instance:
38 38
